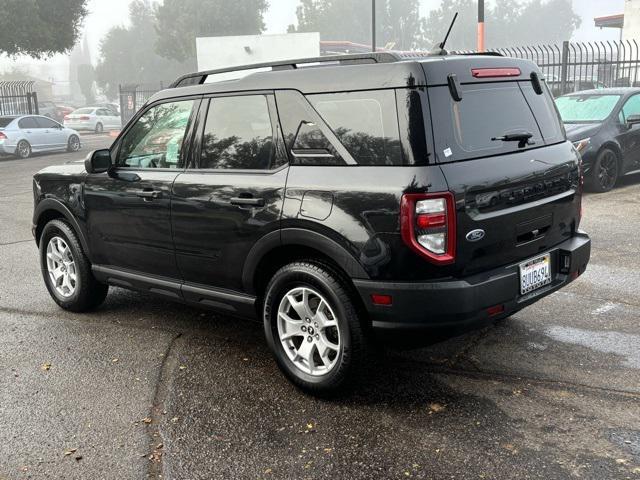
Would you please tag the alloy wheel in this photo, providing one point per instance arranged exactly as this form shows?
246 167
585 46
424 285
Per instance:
608 171
61 267
24 150
74 144
308 331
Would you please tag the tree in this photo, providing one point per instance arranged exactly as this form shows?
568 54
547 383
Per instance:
508 23
180 22
398 22
40 28
86 79
128 54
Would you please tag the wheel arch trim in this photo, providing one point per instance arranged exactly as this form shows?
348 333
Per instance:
302 238
49 204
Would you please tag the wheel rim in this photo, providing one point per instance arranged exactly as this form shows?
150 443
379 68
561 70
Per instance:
75 144
608 171
23 149
308 331
61 267
99 128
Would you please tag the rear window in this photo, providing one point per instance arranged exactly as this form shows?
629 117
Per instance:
4 121
366 123
466 129
85 110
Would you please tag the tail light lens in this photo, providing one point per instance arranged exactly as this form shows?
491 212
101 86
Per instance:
2 136
85 118
66 117
428 226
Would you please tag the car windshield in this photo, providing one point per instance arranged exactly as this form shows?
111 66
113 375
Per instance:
586 108
5 121
85 110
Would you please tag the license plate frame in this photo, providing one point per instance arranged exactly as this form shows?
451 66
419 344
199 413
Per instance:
535 273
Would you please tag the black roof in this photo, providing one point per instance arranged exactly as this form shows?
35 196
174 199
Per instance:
347 73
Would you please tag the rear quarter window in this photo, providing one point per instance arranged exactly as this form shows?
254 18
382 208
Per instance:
366 123
464 130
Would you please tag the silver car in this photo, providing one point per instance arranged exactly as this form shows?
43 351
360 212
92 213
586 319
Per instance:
23 135
95 119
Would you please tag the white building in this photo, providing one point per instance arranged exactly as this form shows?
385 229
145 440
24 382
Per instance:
222 52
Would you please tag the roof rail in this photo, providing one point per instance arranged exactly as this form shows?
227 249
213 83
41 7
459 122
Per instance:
198 78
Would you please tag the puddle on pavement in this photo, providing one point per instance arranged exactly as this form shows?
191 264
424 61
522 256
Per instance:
624 344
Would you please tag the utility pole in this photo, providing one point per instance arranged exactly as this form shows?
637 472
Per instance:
481 25
373 25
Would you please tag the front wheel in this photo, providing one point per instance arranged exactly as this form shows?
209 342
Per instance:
313 328
99 128
66 270
73 145
605 171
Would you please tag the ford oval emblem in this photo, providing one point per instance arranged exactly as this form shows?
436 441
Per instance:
475 235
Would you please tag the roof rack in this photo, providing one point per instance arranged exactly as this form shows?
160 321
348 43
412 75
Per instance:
198 78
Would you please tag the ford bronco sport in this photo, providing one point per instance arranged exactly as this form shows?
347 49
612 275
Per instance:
336 201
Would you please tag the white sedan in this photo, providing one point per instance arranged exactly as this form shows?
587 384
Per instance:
23 135
95 119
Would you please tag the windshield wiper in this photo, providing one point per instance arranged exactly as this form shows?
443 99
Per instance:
523 138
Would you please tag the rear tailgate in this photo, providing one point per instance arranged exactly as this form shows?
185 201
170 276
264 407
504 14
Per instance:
518 198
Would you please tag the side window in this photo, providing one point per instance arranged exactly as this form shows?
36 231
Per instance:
27 122
155 140
102 112
304 133
46 123
631 107
238 134
365 122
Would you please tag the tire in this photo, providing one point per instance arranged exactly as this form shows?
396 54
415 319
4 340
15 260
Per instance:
73 144
99 128
23 150
605 171
329 294
59 242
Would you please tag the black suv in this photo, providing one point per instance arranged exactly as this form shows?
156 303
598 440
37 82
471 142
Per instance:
335 201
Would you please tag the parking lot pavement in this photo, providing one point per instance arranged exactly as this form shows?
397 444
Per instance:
143 387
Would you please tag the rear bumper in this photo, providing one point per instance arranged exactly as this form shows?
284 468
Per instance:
465 301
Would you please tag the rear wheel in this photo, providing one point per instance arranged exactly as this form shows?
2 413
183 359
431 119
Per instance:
73 145
605 171
99 128
313 328
23 150
66 270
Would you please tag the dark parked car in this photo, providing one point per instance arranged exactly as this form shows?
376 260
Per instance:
336 202
604 125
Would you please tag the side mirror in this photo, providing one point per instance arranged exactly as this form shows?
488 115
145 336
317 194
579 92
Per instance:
98 161
633 120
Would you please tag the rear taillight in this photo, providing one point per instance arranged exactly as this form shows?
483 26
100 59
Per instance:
67 117
428 225
84 118
495 72
2 136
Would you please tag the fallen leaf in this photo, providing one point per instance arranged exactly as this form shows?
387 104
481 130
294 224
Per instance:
147 420
174 419
436 408
328 450
159 446
268 470
45 367
70 451
183 367
115 360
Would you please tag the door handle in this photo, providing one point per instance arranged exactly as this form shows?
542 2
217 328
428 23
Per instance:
149 194
247 201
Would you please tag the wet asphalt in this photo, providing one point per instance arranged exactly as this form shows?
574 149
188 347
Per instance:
143 388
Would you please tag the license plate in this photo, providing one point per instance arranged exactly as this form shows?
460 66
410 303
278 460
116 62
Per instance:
535 273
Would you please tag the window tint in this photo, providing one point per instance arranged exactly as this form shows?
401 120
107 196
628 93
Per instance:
365 122
85 111
46 123
465 129
5 121
155 140
27 122
546 113
238 134
303 132
631 107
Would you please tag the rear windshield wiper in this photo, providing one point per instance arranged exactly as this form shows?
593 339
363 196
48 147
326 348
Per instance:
523 138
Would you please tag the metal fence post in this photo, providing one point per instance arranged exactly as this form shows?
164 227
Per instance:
34 99
564 67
